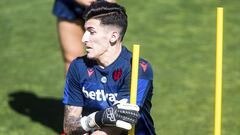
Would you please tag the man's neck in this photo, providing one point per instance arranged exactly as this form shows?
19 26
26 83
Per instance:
110 56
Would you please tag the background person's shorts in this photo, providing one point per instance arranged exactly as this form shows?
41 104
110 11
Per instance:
67 9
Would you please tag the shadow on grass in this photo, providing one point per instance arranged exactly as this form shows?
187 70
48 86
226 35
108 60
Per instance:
47 111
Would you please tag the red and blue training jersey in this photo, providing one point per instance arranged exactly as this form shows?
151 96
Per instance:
94 88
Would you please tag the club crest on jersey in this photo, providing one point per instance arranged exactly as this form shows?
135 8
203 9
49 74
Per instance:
99 95
117 74
143 65
90 71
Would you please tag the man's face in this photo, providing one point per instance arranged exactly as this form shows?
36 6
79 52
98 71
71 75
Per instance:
96 38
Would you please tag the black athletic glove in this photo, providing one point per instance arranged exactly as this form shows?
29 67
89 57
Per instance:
121 114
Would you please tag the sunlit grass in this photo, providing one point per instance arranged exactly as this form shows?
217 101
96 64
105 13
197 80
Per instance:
177 37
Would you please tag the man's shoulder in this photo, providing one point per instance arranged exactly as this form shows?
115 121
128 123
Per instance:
145 69
126 55
83 61
81 65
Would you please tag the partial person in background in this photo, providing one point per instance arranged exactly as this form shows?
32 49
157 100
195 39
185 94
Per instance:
97 88
70 27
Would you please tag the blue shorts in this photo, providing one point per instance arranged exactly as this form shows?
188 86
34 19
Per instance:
67 9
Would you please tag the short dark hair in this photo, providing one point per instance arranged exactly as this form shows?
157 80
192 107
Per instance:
108 14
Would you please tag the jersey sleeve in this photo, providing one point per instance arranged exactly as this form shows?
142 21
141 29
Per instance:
72 91
145 83
144 88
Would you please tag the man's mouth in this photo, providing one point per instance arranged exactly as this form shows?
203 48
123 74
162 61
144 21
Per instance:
88 48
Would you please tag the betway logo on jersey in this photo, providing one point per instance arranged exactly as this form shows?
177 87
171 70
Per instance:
99 95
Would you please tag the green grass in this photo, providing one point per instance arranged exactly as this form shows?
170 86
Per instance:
177 37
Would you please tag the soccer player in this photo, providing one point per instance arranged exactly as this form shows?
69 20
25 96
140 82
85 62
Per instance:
97 89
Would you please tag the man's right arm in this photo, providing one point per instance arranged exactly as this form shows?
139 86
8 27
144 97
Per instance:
72 117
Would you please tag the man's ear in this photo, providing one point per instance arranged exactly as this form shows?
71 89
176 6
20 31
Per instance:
114 37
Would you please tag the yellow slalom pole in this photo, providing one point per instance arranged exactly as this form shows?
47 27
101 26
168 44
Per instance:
218 87
134 78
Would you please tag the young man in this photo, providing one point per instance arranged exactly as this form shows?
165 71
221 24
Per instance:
98 85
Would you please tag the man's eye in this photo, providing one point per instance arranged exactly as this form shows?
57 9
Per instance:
92 32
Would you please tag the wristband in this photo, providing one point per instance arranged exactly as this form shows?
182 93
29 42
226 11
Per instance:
88 122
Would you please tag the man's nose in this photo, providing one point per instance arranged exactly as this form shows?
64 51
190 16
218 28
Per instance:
85 37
